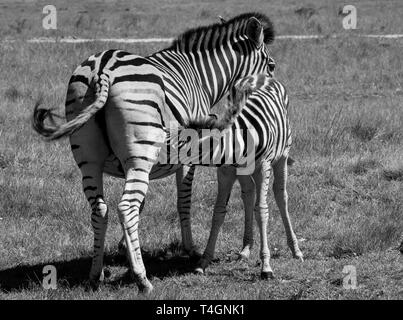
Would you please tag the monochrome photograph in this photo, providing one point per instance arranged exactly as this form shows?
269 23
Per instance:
207 156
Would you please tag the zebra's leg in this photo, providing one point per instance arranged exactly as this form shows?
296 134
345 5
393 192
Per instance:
261 177
90 151
281 196
137 178
226 177
122 250
184 179
93 189
248 188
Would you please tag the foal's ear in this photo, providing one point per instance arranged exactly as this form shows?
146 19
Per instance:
254 31
222 20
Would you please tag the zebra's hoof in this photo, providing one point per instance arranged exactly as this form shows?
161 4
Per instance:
299 256
266 275
245 253
95 284
199 270
96 281
145 288
201 266
194 254
242 257
143 284
107 273
96 278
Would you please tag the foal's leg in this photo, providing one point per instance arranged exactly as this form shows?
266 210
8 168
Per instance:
261 177
226 177
281 196
248 189
184 179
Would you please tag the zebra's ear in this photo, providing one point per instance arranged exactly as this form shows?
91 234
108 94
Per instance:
222 20
254 31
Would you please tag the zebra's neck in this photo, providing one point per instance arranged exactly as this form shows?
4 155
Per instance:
196 80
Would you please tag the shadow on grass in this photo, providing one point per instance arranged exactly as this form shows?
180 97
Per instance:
160 264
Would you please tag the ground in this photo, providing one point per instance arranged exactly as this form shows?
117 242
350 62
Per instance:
345 189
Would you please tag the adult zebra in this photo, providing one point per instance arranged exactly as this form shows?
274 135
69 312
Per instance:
139 97
264 118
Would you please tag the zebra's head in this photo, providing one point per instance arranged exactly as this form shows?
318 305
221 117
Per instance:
225 52
260 34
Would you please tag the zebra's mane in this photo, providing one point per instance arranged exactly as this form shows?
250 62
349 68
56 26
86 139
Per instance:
189 38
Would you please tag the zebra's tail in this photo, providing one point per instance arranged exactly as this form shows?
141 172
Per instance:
55 131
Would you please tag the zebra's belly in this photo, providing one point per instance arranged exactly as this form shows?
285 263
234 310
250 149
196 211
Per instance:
114 168
159 171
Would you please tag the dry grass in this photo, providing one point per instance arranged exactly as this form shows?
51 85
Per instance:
126 18
345 188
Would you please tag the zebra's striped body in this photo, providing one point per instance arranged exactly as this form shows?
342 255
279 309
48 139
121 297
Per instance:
137 99
265 118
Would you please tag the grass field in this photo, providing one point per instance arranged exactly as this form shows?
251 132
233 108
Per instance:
345 189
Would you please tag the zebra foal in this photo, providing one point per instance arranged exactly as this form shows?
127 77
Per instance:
265 116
